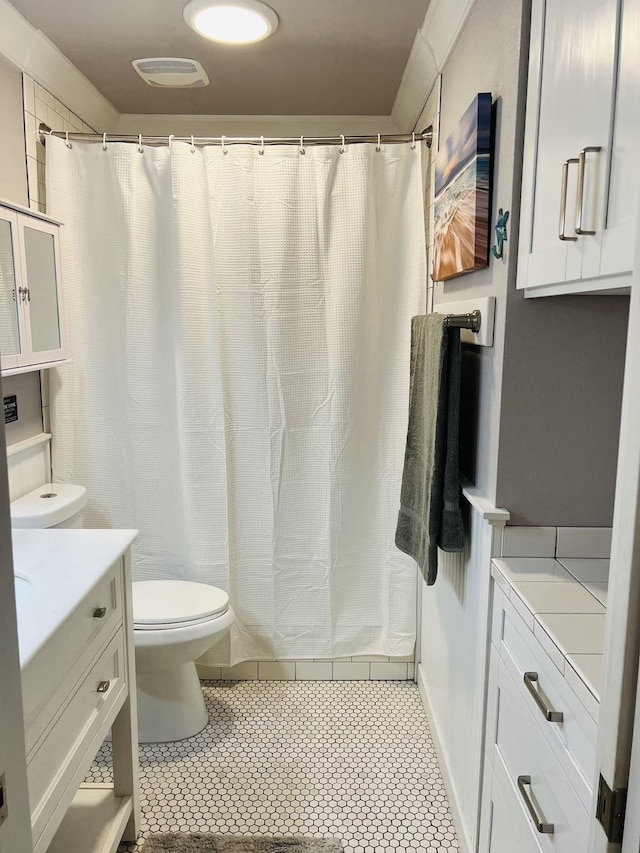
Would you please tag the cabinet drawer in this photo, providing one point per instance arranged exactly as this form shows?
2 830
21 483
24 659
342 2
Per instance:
508 828
526 753
51 766
75 643
573 740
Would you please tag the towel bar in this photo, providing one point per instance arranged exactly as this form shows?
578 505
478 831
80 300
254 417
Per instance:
471 321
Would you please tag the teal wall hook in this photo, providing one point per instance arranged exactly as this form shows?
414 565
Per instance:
501 233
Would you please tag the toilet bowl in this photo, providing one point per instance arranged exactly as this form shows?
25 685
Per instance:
175 622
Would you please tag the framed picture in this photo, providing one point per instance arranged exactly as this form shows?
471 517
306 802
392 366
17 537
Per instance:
462 194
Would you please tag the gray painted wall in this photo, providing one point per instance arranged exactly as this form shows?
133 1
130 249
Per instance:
561 400
13 187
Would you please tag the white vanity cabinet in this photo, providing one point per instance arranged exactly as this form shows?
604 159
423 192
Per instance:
31 318
542 718
77 685
581 172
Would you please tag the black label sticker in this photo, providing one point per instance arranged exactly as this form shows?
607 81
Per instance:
10 409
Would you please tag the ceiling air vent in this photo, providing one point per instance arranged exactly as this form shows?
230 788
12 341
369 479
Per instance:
169 72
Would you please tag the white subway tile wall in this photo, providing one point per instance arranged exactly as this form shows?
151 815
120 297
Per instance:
41 106
363 668
592 542
529 542
561 543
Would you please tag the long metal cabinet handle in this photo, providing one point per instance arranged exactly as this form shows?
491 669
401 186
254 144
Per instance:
563 200
549 713
542 827
580 197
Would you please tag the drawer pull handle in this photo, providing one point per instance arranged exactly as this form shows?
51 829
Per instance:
99 612
580 199
563 200
103 686
549 713
542 827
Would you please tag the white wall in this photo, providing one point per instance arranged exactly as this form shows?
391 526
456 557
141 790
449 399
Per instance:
13 172
452 655
453 662
488 57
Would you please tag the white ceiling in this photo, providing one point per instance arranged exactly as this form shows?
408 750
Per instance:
328 57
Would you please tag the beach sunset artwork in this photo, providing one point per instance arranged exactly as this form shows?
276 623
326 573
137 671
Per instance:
462 191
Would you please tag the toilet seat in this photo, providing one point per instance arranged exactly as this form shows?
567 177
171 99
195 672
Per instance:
167 604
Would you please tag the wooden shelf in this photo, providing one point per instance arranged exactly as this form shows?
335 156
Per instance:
94 822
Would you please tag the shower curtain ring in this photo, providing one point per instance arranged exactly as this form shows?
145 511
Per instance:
302 148
261 145
342 144
378 145
172 136
224 147
413 141
66 140
140 149
193 145
104 141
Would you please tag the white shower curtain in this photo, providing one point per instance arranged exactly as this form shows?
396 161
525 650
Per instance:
239 327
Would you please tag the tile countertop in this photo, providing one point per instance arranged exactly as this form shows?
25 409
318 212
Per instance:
61 566
563 602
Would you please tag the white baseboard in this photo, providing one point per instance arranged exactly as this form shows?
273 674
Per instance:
463 839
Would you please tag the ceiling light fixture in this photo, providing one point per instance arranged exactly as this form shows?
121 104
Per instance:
231 21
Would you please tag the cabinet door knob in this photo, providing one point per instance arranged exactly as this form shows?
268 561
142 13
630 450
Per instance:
99 612
103 686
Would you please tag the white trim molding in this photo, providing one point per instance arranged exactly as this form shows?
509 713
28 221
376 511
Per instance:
449 785
28 443
496 516
433 44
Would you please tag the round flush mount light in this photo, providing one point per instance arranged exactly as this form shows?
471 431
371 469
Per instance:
231 21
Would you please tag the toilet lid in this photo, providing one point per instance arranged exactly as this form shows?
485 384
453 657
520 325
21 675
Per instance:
157 603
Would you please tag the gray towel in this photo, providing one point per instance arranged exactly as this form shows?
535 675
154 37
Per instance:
430 513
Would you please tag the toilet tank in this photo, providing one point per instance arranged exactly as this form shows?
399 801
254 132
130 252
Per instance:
51 505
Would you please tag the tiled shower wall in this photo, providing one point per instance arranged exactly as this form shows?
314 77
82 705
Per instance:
41 106
359 668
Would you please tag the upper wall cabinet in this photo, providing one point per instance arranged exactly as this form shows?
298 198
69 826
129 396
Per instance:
581 178
31 327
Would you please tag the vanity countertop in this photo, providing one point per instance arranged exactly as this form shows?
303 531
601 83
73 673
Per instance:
61 566
564 603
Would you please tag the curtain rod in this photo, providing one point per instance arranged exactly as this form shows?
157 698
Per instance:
394 138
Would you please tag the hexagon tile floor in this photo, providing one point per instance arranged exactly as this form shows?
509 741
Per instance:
352 760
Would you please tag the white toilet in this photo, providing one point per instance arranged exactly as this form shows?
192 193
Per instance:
175 622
